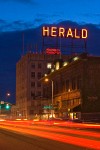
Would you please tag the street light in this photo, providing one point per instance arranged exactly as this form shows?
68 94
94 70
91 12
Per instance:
8 94
46 80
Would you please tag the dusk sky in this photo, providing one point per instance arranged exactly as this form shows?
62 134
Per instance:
17 16
20 14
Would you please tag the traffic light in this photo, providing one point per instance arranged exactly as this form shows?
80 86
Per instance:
7 106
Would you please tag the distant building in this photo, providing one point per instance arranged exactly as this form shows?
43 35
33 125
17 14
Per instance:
15 112
29 90
76 86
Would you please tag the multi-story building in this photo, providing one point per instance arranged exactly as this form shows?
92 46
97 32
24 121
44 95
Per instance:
29 90
15 114
76 86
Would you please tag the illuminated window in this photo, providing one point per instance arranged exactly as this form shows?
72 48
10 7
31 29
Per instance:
57 65
65 63
49 65
75 58
52 70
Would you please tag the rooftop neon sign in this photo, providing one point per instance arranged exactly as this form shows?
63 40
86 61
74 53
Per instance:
64 33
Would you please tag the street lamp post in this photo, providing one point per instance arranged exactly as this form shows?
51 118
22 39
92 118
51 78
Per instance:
52 111
52 85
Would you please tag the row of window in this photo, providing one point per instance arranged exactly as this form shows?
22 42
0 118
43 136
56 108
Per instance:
68 85
33 95
67 103
34 84
74 83
39 65
62 86
34 75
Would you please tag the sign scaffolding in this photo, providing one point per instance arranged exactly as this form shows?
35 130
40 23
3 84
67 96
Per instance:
67 40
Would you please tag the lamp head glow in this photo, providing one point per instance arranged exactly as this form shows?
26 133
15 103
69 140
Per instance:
46 80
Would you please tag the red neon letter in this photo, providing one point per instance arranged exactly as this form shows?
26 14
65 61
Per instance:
76 35
84 33
53 31
45 31
69 33
61 32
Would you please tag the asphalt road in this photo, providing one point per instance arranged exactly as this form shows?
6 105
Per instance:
34 137
14 141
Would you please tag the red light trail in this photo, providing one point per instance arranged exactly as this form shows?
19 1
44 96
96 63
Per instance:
87 139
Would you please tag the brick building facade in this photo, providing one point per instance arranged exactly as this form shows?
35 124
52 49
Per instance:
76 86
29 90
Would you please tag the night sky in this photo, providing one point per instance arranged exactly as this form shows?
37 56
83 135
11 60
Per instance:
25 17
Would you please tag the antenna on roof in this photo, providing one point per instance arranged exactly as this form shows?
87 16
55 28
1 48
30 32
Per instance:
23 44
36 48
60 47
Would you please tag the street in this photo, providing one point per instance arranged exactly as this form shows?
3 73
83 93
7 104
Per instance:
11 141
16 136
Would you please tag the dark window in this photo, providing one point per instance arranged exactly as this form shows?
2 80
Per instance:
32 65
63 86
45 92
31 112
32 95
68 102
39 75
39 93
78 82
33 74
71 102
73 84
67 85
39 65
38 84
64 103
32 84
56 87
